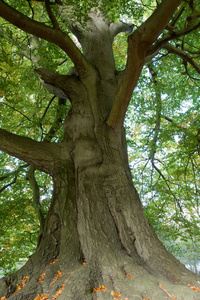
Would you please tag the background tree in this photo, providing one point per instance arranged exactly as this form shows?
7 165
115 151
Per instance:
95 236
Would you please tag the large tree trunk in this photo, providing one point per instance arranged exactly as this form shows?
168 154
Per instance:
96 226
97 229
96 232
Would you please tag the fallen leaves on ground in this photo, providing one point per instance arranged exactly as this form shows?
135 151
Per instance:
56 277
58 293
42 277
22 284
3 298
119 298
194 288
51 263
117 295
42 297
62 287
160 286
101 288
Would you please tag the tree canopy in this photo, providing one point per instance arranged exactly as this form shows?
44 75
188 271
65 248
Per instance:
162 120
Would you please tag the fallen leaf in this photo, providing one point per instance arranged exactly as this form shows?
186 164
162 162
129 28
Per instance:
194 288
116 294
129 276
22 284
42 277
58 293
42 297
58 275
51 263
84 261
24 280
3 298
101 288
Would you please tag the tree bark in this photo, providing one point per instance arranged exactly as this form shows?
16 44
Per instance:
96 232
97 229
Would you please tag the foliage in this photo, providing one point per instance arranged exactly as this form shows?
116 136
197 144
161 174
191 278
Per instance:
162 126
163 135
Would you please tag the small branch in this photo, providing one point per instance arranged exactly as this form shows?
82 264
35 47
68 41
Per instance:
23 50
63 61
183 55
171 121
178 15
59 2
51 15
171 36
6 104
36 196
158 110
46 109
9 184
58 120
29 3
167 184
13 172
49 34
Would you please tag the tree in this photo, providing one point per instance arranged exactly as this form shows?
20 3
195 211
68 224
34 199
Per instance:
95 242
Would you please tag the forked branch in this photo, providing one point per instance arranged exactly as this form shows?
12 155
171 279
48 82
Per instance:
139 43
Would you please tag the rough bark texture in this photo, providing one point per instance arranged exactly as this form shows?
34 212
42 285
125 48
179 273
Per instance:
96 232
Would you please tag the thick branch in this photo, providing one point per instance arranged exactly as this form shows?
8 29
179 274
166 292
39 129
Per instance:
156 23
49 34
139 43
40 155
120 26
62 86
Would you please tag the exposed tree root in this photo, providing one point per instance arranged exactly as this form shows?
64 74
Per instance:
91 281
